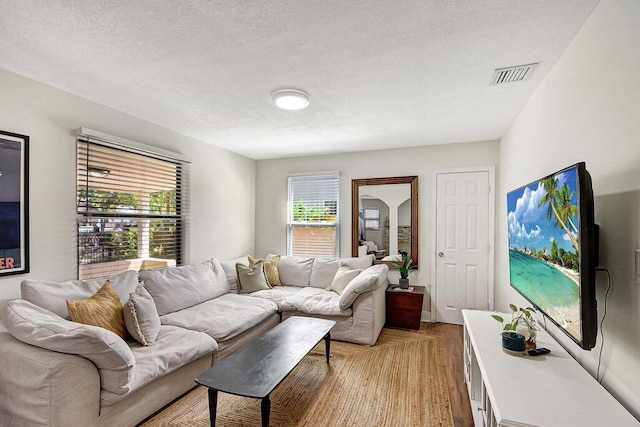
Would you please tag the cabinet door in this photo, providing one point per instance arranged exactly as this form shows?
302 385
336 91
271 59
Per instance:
404 308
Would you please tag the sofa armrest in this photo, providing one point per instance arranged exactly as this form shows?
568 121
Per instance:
370 279
369 314
43 387
368 317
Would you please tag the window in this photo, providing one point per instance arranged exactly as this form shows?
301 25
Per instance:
132 207
372 219
313 212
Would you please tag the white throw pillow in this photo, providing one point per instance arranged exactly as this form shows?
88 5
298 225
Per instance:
110 353
343 277
141 316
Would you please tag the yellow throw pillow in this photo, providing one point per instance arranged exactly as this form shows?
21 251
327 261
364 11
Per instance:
270 268
103 309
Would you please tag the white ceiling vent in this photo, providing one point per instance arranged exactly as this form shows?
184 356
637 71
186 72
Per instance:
512 74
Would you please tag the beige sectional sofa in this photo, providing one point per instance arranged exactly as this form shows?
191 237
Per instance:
57 372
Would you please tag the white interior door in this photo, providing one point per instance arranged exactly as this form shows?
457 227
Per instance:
464 243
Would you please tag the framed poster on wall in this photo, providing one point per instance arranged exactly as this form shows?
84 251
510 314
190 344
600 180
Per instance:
14 203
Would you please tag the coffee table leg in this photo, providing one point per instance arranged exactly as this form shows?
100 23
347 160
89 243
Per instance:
266 411
213 406
327 345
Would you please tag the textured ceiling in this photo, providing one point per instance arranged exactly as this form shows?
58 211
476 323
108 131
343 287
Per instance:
380 74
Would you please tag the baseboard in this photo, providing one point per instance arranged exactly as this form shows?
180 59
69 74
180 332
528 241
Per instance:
425 316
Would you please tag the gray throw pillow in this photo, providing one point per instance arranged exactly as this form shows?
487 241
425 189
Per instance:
141 317
252 279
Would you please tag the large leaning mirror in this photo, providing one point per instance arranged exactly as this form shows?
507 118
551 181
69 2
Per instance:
384 218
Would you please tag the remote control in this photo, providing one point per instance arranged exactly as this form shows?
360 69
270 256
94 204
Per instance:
538 351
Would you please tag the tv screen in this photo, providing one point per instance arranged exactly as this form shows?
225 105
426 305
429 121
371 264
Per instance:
553 250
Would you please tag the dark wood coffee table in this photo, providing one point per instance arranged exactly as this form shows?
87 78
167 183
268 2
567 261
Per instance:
257 369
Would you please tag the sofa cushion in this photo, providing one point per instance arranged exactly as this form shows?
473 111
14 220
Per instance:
229 267
270 268
53 296
358 263
295 271
343 277
224 317
221 284
251 279
277 294
39 327
366 281
175 347
103 309
141 316
175 288
315 301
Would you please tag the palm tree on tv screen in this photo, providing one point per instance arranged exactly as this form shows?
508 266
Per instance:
554 198
567 210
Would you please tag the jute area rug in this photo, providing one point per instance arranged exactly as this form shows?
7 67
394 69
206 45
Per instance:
398 382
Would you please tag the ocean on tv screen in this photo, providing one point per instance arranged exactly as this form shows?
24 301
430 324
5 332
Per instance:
554 291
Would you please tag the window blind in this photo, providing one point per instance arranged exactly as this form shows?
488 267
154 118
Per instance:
313 212
132 208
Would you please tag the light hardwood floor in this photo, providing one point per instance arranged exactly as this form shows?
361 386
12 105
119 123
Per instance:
452 343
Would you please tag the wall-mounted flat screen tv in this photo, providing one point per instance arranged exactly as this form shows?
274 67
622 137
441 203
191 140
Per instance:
553 249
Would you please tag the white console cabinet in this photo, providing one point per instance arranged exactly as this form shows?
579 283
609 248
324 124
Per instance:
548 390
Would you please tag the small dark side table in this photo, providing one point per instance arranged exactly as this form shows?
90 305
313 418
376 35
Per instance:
404 307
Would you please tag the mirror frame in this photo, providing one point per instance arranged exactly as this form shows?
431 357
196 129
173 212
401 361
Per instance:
355 200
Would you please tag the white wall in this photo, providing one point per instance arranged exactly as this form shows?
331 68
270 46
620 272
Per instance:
271 195
222 183
588 109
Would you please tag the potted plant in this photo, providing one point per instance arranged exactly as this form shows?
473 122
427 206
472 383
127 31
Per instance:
403 268
523 322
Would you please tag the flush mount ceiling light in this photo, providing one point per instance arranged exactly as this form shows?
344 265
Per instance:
290 99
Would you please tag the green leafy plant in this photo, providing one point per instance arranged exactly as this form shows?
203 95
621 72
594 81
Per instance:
519 316
405 265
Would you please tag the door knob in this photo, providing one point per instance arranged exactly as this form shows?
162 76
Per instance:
440 254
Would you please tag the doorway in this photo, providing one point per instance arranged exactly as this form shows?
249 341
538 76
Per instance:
463 212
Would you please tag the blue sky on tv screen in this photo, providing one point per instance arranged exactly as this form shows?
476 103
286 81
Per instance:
528 225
